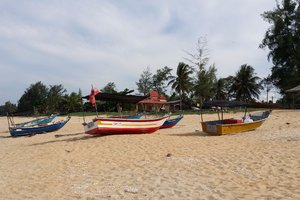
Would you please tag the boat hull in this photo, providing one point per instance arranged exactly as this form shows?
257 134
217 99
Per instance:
229 126
23 131
123 126
224 129
169 123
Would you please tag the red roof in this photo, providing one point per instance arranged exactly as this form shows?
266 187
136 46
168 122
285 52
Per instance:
155 98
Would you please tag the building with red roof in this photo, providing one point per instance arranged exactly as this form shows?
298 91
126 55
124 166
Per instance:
155 102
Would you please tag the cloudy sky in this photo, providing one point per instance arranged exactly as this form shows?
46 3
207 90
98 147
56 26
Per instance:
82 42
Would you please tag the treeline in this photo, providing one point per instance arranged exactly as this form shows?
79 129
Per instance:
41 99
195 84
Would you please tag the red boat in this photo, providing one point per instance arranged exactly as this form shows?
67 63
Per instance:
123 126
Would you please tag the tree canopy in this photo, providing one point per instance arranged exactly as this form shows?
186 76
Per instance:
44 99
283 40
34 97
246 84
145 83
182 82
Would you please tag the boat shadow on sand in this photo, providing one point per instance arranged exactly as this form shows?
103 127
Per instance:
194 133
72 139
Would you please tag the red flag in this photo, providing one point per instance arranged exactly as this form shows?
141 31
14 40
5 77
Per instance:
94 92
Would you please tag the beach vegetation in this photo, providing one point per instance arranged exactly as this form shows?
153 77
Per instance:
205 79
245 84
283 41
160 79
8 107
34 97
157 81
145 83
41 99
182 82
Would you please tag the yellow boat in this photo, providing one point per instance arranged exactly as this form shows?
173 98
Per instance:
234 125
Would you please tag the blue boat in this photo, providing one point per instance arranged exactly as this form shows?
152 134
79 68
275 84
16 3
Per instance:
169 123
22 131
35 122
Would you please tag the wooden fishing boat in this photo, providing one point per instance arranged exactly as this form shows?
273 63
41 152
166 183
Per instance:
41 128
169 123
44 120
123 126
234 125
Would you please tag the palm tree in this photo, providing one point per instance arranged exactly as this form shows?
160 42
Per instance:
245 84
220 90
204 84
182 83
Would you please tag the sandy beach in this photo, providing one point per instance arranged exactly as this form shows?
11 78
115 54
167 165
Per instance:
177 163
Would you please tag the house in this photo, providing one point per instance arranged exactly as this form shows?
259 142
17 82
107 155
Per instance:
155 102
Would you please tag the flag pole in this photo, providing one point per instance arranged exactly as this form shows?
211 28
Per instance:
95 103
96 109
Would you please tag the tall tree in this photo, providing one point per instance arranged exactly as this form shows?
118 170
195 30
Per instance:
8 107
199 59
55 97
205 78
72 102
160 78
220 89
245 84
145 83
283 41
204 83
228 82
182 82
108 105
267 84
34 97
110 88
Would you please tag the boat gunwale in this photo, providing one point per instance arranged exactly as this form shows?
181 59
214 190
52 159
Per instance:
236 124
129 120
40 126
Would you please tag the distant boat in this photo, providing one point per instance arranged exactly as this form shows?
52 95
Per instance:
136 116
123 126
44 120
169 123
37 129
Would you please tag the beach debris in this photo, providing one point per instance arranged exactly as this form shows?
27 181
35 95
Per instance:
131 190
288 123
169 155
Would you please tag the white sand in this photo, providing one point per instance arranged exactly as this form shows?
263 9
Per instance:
176 163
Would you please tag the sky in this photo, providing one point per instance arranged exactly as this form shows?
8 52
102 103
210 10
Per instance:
79 43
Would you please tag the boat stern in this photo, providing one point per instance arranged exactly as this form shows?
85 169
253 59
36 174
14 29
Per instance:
91 127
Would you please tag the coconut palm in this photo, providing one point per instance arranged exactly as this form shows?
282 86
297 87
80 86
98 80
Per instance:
220 90
182 82
204 84
245 84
